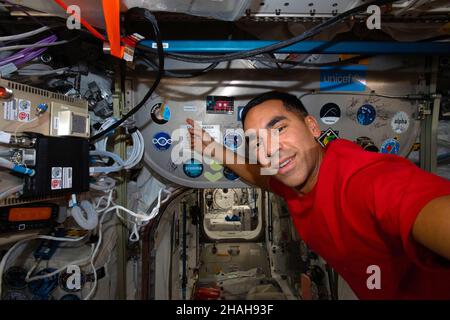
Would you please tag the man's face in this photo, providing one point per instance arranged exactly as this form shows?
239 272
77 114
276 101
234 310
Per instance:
298 151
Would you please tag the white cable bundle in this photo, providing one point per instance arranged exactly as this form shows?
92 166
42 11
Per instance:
136 155
140 220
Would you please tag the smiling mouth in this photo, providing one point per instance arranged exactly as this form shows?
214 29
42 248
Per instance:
285 164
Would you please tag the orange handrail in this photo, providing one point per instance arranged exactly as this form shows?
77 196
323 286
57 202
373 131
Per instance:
111 10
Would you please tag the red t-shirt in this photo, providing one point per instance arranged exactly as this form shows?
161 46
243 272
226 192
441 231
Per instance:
360 213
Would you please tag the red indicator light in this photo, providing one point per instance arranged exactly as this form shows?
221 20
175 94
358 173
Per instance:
5 93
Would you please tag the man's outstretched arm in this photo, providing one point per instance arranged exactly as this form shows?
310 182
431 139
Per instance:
250 173
432 226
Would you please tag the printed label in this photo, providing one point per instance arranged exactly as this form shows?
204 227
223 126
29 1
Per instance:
164 44
67 178
61 178
190 108
213 130
10 110
56 123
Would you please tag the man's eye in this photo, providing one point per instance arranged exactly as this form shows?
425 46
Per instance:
281 128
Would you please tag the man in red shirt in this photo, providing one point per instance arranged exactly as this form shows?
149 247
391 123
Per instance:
363 212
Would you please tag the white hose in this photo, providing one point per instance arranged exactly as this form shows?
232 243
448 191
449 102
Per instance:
107 154
6 163
24 35
103 184
137 151
91 220
11 191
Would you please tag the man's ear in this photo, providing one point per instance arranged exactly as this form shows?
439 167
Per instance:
313 126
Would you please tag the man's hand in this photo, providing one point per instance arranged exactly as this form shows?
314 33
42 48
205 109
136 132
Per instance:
202 143
200 140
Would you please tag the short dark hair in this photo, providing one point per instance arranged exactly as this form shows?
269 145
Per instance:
290 102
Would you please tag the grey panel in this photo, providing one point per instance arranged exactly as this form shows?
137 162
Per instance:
187 98
304 8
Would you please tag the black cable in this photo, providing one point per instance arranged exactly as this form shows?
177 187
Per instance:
315 65
151 18
270 48
175 74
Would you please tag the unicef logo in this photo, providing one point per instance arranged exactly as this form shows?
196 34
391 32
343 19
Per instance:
162 141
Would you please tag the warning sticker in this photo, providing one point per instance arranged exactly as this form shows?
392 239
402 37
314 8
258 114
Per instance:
61 178
56 184
24 110
56 173
10 110
56 181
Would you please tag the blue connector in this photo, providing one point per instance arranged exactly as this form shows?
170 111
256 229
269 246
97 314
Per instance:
42 107
23 170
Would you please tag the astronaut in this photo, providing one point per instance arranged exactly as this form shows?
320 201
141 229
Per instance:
363 212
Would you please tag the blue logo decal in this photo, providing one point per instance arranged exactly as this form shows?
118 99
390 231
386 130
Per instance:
232 140
366 114
162 141
347 78
166 113
390 146
230 175
193 168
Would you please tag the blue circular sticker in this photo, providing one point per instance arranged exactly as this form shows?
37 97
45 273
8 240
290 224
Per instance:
193 168
366 114
232 141
162 141
230 175
390 146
